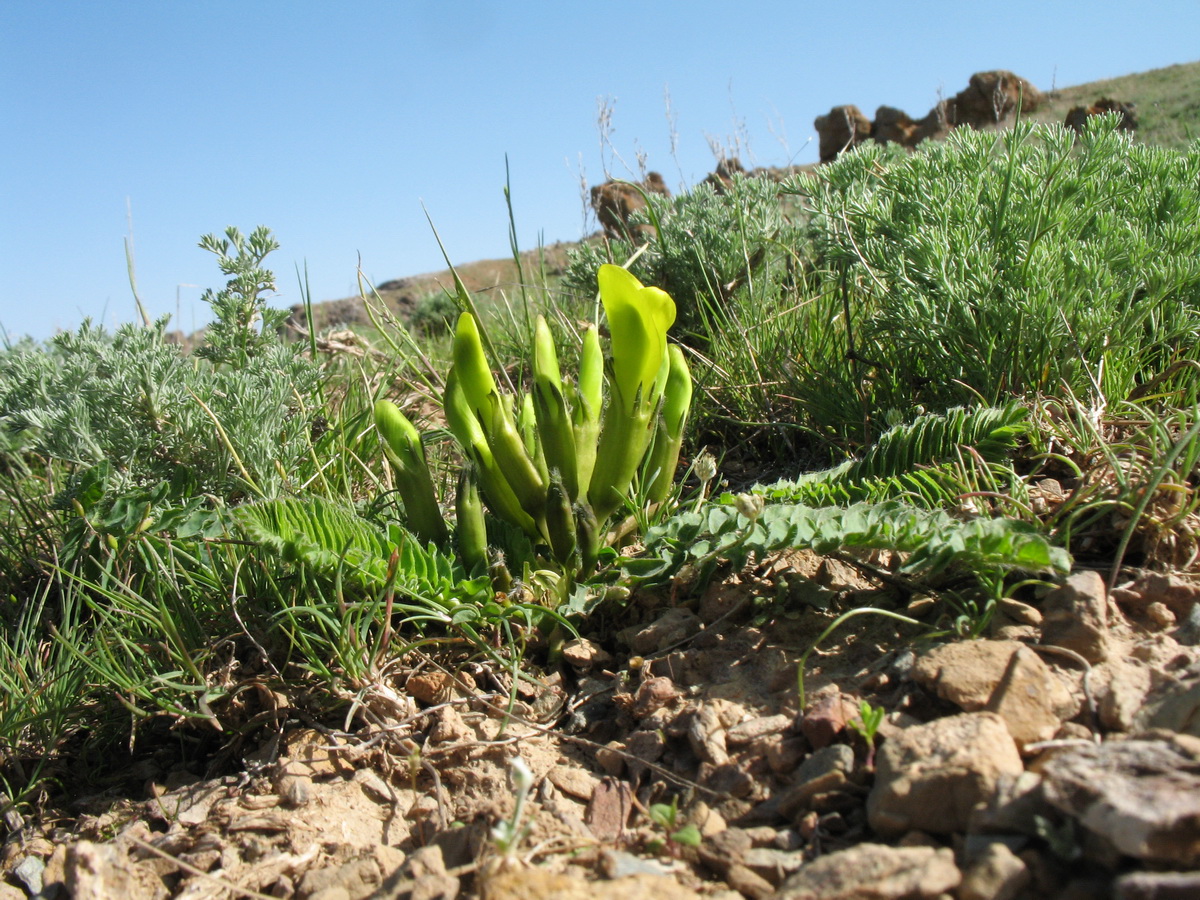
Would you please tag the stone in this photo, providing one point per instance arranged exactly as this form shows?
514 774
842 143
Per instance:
450 727
1141 796
1121 685
749 883
573 781
773 864
990 97
1078 115
998 874
826 718
616 201
893 126
1157 886
725 849
706 736
355 879
652 695
842 128
828 769
584 654
1178 593
1013 808
101 872
1177 709
875 872
676 625
930 777
1075 616
753 729
611 758
433 687
609 808
1031 699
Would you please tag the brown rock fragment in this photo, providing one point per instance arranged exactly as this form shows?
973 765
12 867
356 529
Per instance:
930 777
842 128
998 874
1141 796
877 872
1075 616
1004 677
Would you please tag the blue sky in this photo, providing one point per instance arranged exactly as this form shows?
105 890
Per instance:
333 123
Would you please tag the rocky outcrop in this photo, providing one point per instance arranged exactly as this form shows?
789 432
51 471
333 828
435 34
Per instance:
989 99
1080 114
842 128
615 201
722 178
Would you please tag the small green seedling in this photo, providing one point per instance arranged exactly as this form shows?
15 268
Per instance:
508 834
867 724
666 817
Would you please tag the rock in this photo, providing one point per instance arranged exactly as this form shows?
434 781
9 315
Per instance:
643 747
772 864
537 884
893 126
1121 685
785 753
842 128
652 695
1157 886
676 625
1188 632
616 201
609 808
1177 710
753 729
706 736
875 872
1142 796
930 777
427 869
725 849
722 179
1078 115
1075 616
998 874
1003 677
826 718
729 779
450 727
102 872
354 880
990 97
1013 808
611 759
573 781
828 769
584 654
749 883
1179 593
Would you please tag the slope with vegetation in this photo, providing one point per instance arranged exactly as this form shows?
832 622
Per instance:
601 523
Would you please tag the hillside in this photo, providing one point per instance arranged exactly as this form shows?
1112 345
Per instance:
1168 106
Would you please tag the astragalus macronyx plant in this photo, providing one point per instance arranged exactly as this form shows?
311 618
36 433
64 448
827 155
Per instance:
558 461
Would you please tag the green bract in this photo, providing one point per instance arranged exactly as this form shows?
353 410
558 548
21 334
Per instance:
638 319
